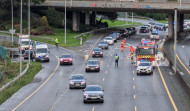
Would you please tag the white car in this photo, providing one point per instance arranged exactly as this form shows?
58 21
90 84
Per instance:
145 67
154 36
109 40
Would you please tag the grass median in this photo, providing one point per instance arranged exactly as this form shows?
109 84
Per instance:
60 34
35 67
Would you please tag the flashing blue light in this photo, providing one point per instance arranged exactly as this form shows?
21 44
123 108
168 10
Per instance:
157 31
146 42
38 43
40 56
142 60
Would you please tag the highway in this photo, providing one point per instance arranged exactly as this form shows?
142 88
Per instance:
124 90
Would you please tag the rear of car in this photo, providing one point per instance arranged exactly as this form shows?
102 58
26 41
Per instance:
77 81
93 93
92 65
154 35
124 33
26 54
129 30
66 59
134 31
97 52
145 68
109 40
143 30
103 45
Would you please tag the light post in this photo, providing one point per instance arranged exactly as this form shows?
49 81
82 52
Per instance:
180 3
175 39
65 21
12 19
20 36
29 31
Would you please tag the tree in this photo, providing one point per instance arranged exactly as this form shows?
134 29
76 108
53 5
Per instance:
6 4
107 15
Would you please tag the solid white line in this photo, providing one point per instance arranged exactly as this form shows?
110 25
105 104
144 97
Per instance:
103 79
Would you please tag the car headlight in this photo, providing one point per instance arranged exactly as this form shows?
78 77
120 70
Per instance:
83 82
61 59
85 95
71 82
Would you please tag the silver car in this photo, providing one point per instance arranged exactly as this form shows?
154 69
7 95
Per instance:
145 67
109 40
93 93
77 81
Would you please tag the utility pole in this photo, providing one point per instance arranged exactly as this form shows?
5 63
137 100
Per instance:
132 17
29 31
175 39
126 17
20 36
12 19
65 21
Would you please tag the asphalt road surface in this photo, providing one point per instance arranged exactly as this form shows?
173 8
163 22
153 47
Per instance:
124 90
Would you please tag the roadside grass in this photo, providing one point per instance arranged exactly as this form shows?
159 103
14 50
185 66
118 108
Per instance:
118 22
11 69
60 34
8 44
35 67
162 21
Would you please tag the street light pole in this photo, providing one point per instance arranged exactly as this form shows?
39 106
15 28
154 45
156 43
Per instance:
175 40
12 19
132 17
65 21
180 3
29 30
20 36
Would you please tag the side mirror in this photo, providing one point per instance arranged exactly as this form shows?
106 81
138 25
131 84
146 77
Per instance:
102 89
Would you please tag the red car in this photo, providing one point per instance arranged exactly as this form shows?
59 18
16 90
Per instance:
66 59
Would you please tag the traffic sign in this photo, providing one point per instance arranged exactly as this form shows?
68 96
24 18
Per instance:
12 31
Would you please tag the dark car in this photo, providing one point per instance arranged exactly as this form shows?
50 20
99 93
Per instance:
118 35
124 33
77 81
160 27
97 52
92 65
144 30
25 55
134 31
114 37
93 93
129 30
66 59
103 45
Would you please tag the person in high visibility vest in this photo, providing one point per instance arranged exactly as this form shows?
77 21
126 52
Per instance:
36 42
56 43
116 60
132 58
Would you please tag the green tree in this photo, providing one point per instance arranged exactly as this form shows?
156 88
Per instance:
107 15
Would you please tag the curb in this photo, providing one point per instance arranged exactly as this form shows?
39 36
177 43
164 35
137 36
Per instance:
15 79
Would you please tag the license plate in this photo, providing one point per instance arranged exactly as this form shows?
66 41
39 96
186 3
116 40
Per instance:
93 98
65 61
77 85
92 68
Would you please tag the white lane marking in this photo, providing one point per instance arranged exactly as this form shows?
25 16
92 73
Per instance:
135 108
108 65
106 72
134 96
111 55
103 79
133 72
133 78
183 46
133 86
93 109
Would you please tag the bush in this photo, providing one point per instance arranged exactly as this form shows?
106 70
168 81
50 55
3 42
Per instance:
44 22
42 30
54 18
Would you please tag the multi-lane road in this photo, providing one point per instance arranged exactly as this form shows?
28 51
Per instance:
124 90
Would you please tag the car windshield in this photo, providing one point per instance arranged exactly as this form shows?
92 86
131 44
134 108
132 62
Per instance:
108 38
143 27
92 62
93 88
159 51
77 77
128 28
102 42
41 50
97 49
26 52
115 33
25 43
147 25
66 56
144 51
154 33
144 64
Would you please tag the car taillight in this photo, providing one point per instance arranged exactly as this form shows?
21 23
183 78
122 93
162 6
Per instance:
144 30
85 95
70 59
101 52
83 82
71 82
124 33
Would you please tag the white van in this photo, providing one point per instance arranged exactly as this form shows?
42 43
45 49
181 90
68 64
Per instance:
42 53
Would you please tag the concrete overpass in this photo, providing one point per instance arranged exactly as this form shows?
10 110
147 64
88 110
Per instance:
154 6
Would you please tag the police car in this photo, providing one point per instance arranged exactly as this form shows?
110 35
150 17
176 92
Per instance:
42 53
154 35
145 67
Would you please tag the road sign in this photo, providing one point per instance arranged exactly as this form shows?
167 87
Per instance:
12 31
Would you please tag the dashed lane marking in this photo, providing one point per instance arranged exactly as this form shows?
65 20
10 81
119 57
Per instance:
133 86
106 72
103 79
167 90
133 78
134 96
38 87
93 109
133 72
135 108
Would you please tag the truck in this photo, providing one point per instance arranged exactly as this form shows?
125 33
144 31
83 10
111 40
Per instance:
24 43
42 53
146 50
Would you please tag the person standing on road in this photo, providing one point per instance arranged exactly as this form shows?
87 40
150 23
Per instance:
36 42
56 43
31 55
116 60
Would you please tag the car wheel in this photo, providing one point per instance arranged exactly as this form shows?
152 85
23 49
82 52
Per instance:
84 101
71 63
102 101
70 87
48 60
137 74
98 70
60 64
86 70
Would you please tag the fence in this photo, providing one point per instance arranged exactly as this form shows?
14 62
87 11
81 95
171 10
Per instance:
3 52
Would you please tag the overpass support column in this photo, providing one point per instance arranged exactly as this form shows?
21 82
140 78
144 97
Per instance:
76 20
181 22
93 18
87 18
170 25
